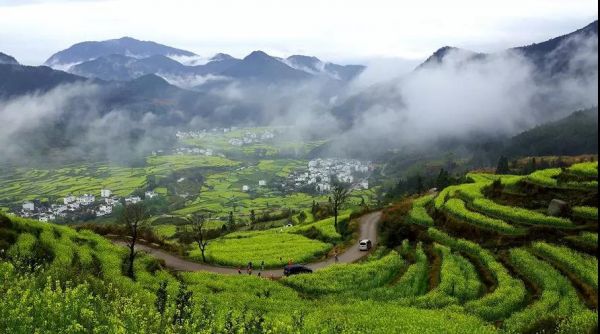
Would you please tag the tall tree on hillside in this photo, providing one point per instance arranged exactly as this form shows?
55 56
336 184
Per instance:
420 186
199 232
339 195
230 221
443 179
502 167
134 217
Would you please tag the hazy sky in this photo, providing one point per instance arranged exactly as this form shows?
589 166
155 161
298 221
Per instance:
337 30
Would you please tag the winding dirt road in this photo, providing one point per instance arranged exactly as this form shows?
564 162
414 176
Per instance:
368 230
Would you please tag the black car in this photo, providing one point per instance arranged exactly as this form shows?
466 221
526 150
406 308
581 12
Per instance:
294 269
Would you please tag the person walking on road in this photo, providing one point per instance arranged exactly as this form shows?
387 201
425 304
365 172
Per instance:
335 255
262 265
239 270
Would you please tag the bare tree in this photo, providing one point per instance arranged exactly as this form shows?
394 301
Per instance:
199 232
134 217
339 195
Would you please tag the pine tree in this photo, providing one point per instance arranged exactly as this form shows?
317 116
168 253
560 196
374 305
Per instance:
502 167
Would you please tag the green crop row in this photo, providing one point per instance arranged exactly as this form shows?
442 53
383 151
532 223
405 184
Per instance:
585 267
456 207
471 191
509 294
518 215
585 169
585 239
545 177
459 282
418 215
558 301
585 212
348 277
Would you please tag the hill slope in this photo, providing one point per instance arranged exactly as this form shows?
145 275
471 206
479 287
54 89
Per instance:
573 135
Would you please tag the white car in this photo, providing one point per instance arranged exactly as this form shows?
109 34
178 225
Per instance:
365 245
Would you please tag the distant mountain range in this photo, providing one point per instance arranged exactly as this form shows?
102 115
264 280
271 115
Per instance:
127 46
127 58
143 81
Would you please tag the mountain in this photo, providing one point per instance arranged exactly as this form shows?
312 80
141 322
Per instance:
315 66
259 66
18 79
125 46
126 59
6 59
550 58
122 68
556 55
573 135
440 54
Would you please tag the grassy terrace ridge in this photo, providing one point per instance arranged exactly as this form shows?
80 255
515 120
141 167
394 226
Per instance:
418 214
558 300
585 212
582 265
509 293
548 178
518 215
459 282
585 169
346 278
457 208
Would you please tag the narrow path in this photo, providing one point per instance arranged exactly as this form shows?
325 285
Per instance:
368 230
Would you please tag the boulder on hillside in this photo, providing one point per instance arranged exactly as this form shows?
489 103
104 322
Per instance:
557 208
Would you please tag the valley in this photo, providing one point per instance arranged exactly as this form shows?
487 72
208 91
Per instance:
298 167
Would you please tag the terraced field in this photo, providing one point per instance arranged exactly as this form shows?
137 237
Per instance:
460 267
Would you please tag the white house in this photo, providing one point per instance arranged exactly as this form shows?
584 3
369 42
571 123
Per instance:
132 200
29 206
104 210
245 188
69 199
45 218
86 199
262 183
73 206
105 193
150 194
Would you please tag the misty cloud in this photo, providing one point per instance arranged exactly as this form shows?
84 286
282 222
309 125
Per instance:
496 95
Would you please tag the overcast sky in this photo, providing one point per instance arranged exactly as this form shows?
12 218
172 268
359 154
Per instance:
337 30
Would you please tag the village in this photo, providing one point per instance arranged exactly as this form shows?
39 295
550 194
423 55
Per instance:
243 136
77 206
321 173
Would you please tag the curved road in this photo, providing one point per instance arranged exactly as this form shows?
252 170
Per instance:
368 230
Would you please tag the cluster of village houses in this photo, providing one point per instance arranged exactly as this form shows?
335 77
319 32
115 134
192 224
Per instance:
195 150
252 138
321 173
72 205
202 133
